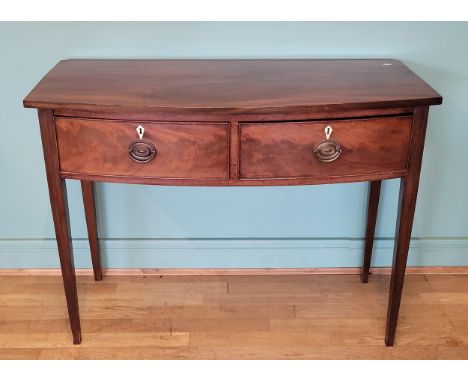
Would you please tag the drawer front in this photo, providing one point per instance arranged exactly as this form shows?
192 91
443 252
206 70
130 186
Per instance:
167 149
355 147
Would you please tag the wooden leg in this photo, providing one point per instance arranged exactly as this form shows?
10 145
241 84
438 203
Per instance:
406 207
58 201
372 207
87 189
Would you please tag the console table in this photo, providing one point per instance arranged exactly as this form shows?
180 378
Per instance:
232 123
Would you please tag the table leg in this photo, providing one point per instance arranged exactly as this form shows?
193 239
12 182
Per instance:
58 201
407 205
372 208
87 188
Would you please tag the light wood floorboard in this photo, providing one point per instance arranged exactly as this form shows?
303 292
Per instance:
234 317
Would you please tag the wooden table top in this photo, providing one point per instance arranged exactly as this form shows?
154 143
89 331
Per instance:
229 85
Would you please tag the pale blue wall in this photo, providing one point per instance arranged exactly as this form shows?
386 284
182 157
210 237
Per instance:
319 216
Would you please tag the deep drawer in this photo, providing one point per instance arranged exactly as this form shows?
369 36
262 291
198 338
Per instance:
302 150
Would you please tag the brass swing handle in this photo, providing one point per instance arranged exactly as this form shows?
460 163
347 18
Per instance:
142 151
327 151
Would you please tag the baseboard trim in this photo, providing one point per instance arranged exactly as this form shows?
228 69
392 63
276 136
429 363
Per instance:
281 253
228 271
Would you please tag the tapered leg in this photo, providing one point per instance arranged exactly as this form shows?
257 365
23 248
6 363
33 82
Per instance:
407 204
372 208
87 189
58 201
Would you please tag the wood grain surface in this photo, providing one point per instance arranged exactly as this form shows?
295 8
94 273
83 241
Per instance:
232 271
286 149
229 86
184 150
233 317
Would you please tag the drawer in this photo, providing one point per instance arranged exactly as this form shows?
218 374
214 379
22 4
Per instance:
291 149
167 149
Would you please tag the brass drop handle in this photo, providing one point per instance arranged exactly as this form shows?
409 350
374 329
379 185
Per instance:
141 151
327 151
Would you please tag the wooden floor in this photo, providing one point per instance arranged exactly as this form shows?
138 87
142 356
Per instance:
234 317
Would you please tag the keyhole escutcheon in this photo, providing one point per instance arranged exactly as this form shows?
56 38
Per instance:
140 131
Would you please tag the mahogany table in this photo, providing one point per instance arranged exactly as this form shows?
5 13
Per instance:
232 123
